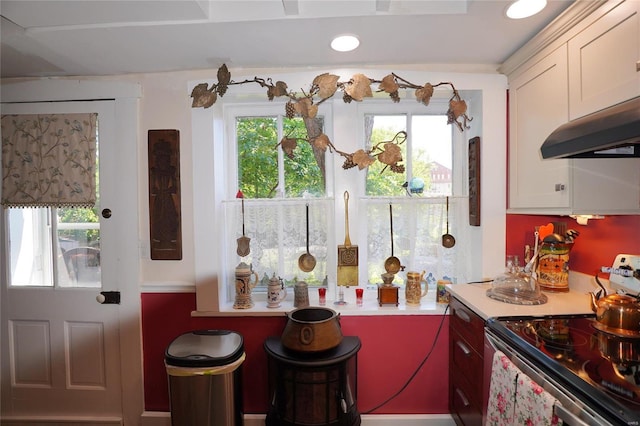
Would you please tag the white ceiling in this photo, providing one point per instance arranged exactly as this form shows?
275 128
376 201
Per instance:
83 38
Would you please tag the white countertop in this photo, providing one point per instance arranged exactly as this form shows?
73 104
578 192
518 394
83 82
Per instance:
474 296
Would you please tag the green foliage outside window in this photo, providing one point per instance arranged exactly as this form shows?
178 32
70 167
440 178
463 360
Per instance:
385 183
84 237
258 171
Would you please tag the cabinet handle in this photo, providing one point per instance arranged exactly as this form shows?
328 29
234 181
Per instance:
638 66
463 347
463 316
463 398
559 187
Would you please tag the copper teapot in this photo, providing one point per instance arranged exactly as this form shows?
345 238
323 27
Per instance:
617 312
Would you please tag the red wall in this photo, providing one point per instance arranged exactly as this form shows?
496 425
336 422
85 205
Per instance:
596 246
392 349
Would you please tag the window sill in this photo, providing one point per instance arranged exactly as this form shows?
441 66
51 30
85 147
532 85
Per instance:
369 307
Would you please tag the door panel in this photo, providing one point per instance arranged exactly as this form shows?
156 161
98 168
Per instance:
61 357
66 363
30 354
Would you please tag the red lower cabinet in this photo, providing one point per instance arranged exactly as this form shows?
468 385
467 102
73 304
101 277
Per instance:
466 351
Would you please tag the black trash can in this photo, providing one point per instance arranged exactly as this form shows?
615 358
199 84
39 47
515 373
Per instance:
205 378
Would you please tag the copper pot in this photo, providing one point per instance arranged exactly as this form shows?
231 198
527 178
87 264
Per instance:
618 312
312 329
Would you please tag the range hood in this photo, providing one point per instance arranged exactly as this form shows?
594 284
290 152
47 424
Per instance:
611 133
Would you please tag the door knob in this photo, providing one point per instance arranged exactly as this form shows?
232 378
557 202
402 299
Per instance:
106 213
109 297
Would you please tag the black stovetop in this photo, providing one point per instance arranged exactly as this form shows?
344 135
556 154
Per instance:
600 367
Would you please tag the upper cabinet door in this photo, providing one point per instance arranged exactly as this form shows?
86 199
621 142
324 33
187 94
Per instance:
537 106
604 61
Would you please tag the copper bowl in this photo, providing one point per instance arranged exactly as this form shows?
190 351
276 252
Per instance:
312 329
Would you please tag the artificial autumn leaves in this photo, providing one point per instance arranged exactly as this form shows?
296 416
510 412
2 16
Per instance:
323 87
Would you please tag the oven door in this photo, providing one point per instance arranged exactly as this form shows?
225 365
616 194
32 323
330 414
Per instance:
571 410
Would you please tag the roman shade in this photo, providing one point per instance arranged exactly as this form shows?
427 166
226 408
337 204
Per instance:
49 160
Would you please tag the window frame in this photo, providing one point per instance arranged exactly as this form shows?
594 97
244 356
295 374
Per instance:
437 106
231 111
273 108
55 273
485 97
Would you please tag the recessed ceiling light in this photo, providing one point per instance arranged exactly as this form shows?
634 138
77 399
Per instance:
345 43
524 8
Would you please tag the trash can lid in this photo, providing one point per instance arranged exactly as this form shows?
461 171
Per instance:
205 348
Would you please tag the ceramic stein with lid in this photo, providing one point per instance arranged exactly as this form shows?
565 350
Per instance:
276 292
244 285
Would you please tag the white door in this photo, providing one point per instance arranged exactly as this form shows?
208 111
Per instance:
63 356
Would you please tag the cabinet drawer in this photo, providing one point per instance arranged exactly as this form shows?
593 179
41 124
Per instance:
471 385
468 324
461 406
466 362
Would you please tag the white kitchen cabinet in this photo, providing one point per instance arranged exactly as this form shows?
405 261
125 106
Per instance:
540 101
604 60
538 104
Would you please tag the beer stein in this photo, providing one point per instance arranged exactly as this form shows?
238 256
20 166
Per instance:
413 288
244 285
300 295
276 292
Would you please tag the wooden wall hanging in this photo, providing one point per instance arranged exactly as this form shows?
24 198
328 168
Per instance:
474 181
165 223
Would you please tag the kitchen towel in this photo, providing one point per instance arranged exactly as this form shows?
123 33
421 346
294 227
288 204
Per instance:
534 405
502 391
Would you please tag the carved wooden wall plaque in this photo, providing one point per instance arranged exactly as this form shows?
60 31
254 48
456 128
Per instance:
165 223
474 181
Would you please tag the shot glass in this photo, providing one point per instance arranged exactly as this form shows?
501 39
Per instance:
322 296
359 296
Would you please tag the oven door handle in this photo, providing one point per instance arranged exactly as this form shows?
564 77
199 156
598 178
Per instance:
567 416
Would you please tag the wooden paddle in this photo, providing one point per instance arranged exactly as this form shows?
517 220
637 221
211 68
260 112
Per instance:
347 253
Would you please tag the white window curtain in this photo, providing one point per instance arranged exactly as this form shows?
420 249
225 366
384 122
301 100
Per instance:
277 229
418 226
49 160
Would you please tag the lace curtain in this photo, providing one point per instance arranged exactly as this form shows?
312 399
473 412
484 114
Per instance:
418 226
277 229
278 237
49 160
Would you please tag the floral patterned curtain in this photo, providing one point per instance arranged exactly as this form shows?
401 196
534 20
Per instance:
49 160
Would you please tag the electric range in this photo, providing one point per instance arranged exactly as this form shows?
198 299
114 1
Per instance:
600 370
593 373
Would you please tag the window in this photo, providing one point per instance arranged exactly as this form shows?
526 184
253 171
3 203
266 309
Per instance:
55 247
52 247
264 171
278 192
420 199
476 252
427 150
274 211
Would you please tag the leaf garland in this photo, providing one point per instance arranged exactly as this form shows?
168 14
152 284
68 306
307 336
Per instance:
325 86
